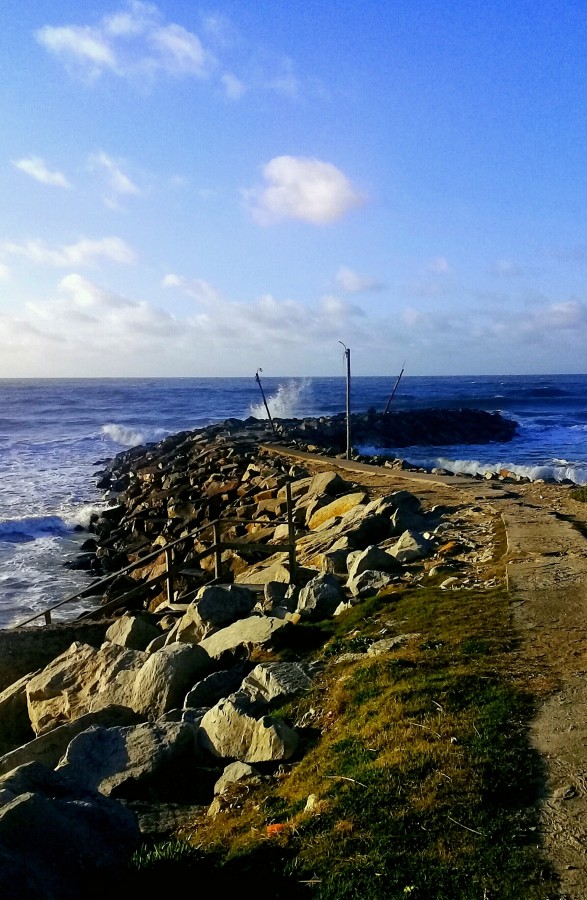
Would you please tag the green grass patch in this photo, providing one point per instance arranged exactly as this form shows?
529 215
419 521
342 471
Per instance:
423 779
580 494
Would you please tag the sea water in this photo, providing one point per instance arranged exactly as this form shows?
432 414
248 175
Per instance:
55 434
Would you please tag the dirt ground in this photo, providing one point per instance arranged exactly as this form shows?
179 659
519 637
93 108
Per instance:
535 531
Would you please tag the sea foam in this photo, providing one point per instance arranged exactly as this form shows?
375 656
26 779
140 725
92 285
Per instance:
286 402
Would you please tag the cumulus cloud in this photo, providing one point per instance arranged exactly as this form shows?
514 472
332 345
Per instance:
132 42
35 167
83 253
302 188
352 283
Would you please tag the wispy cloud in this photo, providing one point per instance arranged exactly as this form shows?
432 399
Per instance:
83 253
4 272
132 42
506 268
118 184
352 283
36 167
302 188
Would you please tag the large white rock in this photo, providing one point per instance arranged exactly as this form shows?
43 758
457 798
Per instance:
411 546
373 557
82 680
251 632
230 733
165 678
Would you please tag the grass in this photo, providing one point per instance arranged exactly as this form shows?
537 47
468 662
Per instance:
580 494
418 762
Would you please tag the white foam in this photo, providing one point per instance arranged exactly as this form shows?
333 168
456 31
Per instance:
286 402
120 434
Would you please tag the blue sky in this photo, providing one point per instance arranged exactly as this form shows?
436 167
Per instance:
201 190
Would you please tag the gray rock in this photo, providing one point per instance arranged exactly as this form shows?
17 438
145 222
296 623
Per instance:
411 546
112 760
235 773
231 733
373 557
56 837
50 747
369 582
82 680
214 687
320 597
218 606
15 725
271 683
134 631
166 677
242 635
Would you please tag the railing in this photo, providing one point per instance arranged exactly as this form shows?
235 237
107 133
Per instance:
171 570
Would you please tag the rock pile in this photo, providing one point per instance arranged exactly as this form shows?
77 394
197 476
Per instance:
174 707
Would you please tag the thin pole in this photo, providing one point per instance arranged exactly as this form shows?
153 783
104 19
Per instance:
399 377
264 400
347 354
291 536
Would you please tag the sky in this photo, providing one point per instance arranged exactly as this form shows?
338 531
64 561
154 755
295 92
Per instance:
207 189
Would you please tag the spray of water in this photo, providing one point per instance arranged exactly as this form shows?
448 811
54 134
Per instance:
287 401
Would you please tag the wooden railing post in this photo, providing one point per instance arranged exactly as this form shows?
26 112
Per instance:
217 550
169 574
291 535
47 617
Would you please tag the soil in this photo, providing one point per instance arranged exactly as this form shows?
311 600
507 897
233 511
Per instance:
538 535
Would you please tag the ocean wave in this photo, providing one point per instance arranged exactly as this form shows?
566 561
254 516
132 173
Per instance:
120 434
286 402
29 528
557 470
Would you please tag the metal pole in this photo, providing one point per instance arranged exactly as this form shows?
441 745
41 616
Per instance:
394 390
347 354
291 535
264 400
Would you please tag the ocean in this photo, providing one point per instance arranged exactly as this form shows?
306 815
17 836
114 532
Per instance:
56 433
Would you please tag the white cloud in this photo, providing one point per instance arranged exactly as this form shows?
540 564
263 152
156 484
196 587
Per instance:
352 283
439 265
302 188
4 272
35 167
234 88
130 43
83 253
506 267
118 183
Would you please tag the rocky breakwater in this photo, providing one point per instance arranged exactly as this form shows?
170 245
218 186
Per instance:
176 708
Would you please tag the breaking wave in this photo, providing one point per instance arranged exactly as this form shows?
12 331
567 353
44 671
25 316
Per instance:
287 401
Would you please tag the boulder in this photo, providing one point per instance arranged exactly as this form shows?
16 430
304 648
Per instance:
320 597
369 582
411 546
129 760
241 636
373 557
236 773
218 606
214 687
82 680
274 683
49 748
56 838
165 678
231 733
133 630
339 507
15 725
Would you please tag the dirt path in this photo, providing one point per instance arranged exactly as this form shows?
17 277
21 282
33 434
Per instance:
545 558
